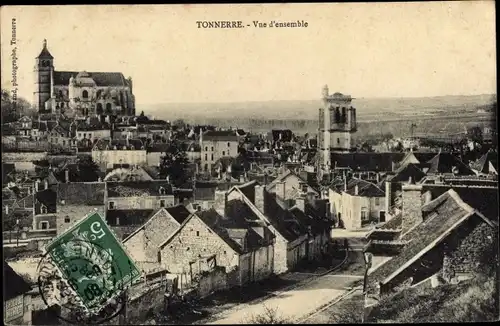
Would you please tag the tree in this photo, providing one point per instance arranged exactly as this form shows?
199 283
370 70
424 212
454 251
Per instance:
174 164
142 114
179 123
475 134
87 169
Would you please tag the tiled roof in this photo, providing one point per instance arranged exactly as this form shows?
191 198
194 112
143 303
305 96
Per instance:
128 217
81 193
483 199
179 213
84 126
139 188
14 284
444 163
483 163
405 172
365 188
441 215
366 161
100 78
48 198
158 148
248 189
286 135
220 135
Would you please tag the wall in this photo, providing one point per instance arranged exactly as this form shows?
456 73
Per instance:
139 202
195 239
335 200
110 157
93 134
154 158
23 161
219 148
212 281
50 218
143 246
467 247
68 215
263 263
138 309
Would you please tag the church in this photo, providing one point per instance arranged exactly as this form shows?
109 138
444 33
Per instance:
80 93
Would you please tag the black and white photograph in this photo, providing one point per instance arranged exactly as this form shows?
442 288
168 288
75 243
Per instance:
281 163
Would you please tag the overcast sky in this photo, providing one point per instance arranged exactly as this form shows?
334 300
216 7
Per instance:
366 50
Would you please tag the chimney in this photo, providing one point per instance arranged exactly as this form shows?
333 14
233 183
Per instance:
37 187
259 198
66 175
300 202
378 177
6 209
427 197
117 220
220 201
412 206
356 190
388 195
265 179
345 183
280 190
45 184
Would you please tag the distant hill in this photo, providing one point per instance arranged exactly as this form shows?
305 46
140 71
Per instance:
367 108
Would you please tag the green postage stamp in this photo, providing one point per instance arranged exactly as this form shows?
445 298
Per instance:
93 262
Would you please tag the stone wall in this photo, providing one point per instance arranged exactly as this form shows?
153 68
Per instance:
139 309
215 280
194 240
468 249
280 256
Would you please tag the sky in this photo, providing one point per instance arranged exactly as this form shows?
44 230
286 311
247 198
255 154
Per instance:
366 50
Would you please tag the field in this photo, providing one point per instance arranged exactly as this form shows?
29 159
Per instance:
433 115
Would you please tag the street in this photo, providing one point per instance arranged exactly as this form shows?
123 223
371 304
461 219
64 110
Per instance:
295 303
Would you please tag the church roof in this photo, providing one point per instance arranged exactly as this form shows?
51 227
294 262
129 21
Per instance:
45 54
100 78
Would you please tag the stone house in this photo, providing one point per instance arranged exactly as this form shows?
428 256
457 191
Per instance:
24 126
357 203
292 235
152 195
92 132
207 239
75 200
17 305
217 144
107 152
143 243
288 185
60 136
447 238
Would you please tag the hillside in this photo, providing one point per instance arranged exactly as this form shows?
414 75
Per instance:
367 108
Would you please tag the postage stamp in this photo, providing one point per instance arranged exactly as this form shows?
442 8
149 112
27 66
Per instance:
86 270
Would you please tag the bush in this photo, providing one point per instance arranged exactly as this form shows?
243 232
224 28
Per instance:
269 316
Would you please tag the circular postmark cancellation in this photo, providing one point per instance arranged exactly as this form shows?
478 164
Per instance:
82 277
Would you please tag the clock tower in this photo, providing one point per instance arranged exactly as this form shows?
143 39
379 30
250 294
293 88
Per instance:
44 71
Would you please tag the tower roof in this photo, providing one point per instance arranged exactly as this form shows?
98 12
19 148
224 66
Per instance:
45 54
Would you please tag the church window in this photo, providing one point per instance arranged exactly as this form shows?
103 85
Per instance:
344 115
99 109
206 158
85 94
206 148
337 115
212 148
212 157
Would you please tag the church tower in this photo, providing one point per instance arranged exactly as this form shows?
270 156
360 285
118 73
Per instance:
337 123
44 69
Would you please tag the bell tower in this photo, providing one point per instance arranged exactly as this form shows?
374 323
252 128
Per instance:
337 123
43 71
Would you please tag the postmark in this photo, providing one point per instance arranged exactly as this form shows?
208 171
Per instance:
86 271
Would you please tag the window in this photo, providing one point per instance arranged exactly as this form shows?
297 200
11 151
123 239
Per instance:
85 94
223 153
43 209
364 215
79 134
197 233
44 225
108 107
162 202
338 140
377 201
206 157
66 219
111 205
206 149
212 148
304 187
228 144
212 157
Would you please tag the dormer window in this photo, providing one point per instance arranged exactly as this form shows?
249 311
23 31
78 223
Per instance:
43 209
162 191
111 205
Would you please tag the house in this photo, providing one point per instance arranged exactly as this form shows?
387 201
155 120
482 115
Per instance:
446 163
143 243
59 136
217 144
288 185
128 173
107 152
487 164
193 151
17 305
440 239
24 126
124 222
92 131
364 164
155 152
292 236
44 208
207 239
139 195
357 203
75 200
